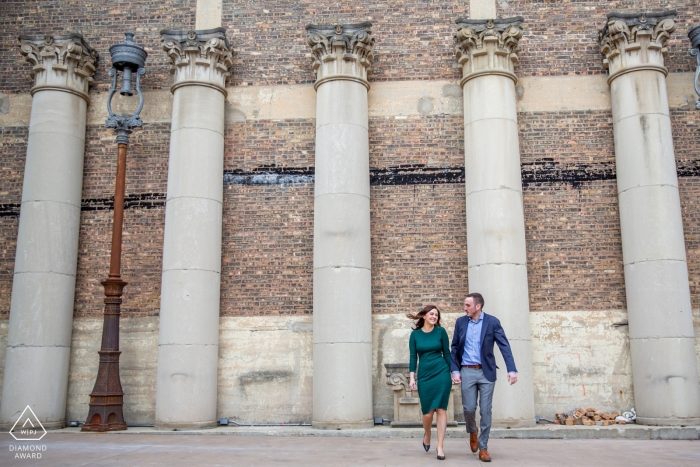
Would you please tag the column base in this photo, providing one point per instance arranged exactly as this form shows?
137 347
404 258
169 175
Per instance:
672 421
177 426
513 423
362 424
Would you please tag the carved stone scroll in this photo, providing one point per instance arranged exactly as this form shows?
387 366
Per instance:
341 51
487 47
406 402
636 42
63 63
202 58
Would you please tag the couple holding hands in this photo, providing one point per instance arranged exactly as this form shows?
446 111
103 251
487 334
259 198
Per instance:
471 362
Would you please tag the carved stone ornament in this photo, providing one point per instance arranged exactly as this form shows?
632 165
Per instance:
633 42
341 51
406 401
62 63
201 58
488 47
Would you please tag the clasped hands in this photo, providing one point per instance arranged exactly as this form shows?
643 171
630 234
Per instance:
457 379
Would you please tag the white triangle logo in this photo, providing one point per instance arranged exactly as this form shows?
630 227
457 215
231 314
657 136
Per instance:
25 428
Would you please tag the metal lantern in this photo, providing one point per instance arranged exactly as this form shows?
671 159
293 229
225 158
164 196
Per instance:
129 58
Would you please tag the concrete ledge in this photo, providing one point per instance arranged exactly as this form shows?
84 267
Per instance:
638 432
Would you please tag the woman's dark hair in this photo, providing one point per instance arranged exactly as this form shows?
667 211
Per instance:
420 316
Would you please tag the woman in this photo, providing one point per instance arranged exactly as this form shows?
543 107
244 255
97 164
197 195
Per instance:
430 344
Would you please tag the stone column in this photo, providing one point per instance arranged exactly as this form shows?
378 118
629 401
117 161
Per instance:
43 287
486 53
342 331
188 348
662 341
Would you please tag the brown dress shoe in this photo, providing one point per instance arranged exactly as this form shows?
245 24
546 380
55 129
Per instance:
484 455
474 440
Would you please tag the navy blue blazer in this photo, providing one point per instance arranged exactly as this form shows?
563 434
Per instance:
491 331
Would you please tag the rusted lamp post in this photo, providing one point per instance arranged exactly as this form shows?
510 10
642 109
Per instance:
107 397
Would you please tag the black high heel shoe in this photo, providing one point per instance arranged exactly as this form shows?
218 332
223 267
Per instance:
425 446
441 458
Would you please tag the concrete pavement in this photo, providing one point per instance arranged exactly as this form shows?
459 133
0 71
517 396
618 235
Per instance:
139 449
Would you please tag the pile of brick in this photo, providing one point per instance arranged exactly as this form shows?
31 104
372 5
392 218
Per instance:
588 417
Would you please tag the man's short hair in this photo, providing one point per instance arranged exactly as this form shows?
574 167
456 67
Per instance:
478 299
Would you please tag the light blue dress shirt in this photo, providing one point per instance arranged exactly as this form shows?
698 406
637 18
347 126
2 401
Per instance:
472 344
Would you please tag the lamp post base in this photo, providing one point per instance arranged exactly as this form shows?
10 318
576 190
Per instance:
107 397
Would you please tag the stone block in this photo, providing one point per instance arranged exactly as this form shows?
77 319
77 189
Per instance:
651 224
666 389
342 386
41 309
492 155
658 300
489 97
187 386
189 311
342 305
196 164
342 160
198 107
495 228
341 231
192 237
54 168
266 368
38 377
57 113
644 152
482 9
407 411
638 93
47 238
341 102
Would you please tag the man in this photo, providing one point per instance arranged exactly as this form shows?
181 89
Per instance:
474 366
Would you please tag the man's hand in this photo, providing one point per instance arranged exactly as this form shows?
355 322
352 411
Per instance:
456 378
512 378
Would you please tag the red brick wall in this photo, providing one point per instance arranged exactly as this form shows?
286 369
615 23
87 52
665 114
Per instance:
144 219
13 152
571 211
561 36
686 142
267 250
419 254
8 245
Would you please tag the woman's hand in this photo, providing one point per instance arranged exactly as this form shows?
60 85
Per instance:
412 381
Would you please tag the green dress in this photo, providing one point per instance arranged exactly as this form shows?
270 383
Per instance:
434 380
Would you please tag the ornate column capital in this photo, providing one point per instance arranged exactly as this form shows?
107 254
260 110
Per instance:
61 63
488 47
636 41
201 58
341 51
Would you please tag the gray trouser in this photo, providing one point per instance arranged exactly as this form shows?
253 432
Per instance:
473 382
